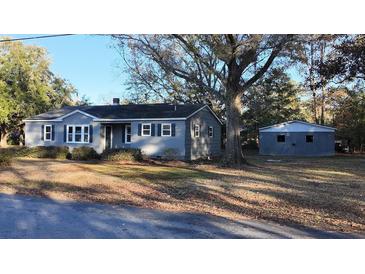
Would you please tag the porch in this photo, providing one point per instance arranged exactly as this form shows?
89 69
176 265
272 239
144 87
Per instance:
116 135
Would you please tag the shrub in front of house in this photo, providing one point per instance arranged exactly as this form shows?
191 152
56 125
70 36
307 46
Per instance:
51 152
170 154
124 154
15 151
84 154
5 160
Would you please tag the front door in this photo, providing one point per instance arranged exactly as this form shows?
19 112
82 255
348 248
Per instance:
108 137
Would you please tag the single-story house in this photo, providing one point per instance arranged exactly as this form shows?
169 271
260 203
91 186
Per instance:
189 131
297 138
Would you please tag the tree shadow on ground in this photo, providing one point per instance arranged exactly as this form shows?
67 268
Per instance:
296 196
44 218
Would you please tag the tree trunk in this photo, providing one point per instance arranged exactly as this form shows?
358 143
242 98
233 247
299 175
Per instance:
322 106
312 84
3 138
233 151
314 106
323 46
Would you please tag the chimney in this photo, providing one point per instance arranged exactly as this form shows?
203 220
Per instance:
116 101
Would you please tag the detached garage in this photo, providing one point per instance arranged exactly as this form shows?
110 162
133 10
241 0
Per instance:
297 138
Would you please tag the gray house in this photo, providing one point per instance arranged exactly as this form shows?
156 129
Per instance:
190 131
297 138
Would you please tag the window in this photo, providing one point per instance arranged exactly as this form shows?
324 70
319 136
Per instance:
281 138
69 134
309 138
146 129
47 133
78 134
128 133
196 130
210 131
166 130
86 134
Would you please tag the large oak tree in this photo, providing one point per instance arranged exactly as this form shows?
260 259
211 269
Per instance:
216 69
27 87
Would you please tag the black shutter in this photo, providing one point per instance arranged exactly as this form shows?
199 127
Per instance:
173 129
42 135
158 129
53 132
64 133
90 133
152 129
139 129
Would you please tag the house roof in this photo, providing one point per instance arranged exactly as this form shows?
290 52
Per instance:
124 112
296 126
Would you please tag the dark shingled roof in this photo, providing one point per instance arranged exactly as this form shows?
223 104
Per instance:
130 111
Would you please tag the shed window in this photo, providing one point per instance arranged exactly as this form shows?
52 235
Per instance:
281 138
309 138
47 132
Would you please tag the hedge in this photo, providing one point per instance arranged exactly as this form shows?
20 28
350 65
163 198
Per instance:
125 154
52 152
84 153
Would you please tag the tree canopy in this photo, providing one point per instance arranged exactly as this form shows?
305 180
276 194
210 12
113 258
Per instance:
27 86
247 79
273 99
215 69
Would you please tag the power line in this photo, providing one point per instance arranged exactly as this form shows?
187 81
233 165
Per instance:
35 37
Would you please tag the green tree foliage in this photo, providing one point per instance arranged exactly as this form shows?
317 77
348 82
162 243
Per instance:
347 108
272 100
27 86
347 60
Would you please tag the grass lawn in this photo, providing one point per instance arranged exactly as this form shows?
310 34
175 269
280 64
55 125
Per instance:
326 193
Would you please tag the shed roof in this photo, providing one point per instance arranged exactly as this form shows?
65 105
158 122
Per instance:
297 126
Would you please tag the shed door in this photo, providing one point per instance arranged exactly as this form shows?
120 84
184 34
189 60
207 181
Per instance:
293 144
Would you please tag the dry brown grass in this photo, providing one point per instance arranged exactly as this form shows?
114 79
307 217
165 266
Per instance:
327 193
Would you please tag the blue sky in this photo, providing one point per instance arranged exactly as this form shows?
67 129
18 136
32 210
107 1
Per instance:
89 62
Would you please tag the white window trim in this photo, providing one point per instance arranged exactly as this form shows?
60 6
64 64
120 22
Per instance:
210 127
146 124
170 130
196 136
45 131
74 133
126 134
